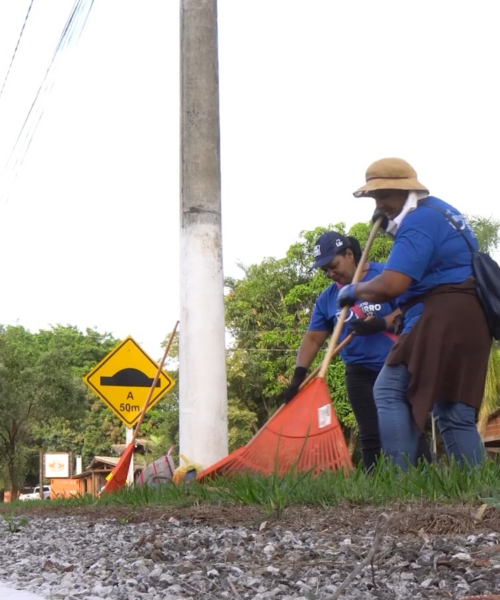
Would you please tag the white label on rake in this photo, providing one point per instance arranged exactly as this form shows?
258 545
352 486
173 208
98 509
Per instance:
324 416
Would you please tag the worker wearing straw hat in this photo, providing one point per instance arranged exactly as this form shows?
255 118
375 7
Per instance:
364 356
440 360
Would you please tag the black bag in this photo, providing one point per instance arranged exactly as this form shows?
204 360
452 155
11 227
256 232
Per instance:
487 275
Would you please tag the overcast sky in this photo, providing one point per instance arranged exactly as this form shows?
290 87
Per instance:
311 93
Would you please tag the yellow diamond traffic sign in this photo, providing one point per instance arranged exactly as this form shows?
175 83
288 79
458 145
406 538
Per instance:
123 379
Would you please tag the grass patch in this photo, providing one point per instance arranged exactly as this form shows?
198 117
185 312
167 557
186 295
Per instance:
437 484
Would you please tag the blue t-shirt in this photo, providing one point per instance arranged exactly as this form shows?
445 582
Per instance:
429 249
370 350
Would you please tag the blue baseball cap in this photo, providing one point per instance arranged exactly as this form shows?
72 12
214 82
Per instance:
327 246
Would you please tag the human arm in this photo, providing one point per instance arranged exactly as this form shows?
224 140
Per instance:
319 329
311 344
409 259
383 288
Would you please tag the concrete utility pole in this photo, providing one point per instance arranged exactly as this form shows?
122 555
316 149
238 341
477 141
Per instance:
202 365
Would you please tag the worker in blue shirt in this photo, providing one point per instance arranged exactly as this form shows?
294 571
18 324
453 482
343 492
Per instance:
440 360
364 356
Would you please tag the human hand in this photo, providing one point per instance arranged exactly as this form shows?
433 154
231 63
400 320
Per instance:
385 219
368 326
346 295
293 389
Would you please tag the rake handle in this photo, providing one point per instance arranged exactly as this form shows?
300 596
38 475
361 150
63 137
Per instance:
313 374
340 347
343 344
340 321
153 385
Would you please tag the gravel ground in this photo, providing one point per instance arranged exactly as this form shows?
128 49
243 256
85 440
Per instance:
218 553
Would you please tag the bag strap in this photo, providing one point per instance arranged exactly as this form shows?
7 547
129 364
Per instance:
453 222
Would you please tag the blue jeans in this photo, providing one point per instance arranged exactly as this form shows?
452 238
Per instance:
398 431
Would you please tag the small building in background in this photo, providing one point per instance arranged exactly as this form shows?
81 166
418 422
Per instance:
491 436
64 487
93 479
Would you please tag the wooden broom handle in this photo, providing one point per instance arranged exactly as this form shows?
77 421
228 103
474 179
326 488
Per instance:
155 380
340 322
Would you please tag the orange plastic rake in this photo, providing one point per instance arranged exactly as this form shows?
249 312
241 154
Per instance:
242 457
304 434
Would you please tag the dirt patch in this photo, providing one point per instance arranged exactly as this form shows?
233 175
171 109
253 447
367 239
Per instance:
412 519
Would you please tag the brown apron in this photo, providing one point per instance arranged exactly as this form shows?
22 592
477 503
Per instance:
447 350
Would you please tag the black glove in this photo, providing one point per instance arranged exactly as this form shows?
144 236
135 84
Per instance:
347 296
368 326
293 389
385 219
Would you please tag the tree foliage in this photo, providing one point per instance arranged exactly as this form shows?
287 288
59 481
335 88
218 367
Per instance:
44 404
487 231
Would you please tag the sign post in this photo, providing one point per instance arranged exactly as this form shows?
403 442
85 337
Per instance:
129 434
41 475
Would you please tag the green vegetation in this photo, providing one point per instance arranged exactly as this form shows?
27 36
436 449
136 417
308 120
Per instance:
272 494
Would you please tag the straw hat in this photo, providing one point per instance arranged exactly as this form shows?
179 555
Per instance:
390 174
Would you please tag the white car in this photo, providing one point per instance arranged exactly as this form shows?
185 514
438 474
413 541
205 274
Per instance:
35 494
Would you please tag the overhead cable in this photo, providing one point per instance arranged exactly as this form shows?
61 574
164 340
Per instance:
70 36
15 49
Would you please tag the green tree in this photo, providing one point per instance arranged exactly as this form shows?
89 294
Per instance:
487 231
44 403
97 428
491 390
36 385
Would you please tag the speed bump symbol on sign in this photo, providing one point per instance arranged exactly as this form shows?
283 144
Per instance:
123 379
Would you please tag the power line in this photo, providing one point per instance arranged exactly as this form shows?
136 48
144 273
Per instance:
17 46
70 33
250 350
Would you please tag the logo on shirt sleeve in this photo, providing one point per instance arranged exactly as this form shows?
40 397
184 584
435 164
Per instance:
460 221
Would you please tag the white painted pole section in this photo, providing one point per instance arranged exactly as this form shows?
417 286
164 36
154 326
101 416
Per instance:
202 359
129 433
